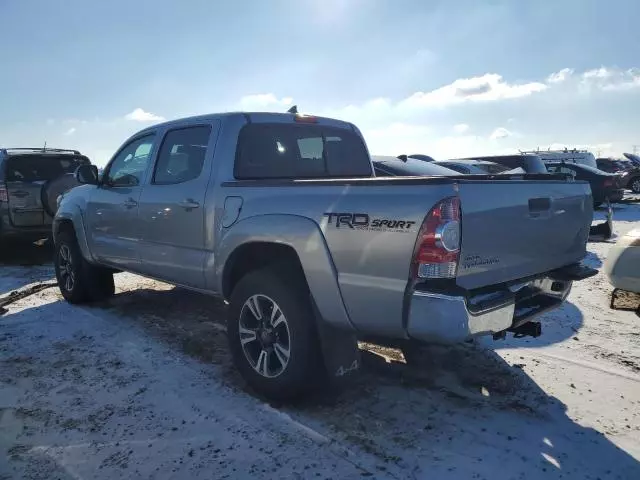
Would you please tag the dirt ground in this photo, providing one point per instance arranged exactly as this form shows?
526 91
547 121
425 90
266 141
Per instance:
142 387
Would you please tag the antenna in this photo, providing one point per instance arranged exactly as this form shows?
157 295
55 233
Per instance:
293 109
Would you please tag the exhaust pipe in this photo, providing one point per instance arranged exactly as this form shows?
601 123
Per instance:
529 329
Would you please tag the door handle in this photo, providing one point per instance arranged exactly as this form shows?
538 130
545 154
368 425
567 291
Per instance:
189 204
130 203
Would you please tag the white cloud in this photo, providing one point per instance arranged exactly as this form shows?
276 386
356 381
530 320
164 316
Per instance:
486 88
139 115
71 131
561 76
382 142
402 130
499 133
460 128
264 101
608 79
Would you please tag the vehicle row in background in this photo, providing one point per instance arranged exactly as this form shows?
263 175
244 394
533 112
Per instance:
528 163
628 169
565 155
603 185
30 181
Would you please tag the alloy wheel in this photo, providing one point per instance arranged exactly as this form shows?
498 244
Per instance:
66 268
264 336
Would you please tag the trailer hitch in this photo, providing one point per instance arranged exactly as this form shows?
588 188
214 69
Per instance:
529 329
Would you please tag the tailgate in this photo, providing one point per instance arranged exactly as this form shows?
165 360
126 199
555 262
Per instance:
516 229
25 204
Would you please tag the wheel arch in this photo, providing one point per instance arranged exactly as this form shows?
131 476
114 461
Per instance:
292 240
71 221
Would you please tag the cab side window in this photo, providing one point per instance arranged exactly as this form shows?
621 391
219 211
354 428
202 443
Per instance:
182 155
130 164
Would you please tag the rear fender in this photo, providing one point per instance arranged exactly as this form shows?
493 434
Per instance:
305 237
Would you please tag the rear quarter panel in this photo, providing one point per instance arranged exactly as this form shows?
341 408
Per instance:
368 231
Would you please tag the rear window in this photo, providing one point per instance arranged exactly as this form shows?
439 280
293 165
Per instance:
34 168
299 151
453 166
530 163
493 168
410 168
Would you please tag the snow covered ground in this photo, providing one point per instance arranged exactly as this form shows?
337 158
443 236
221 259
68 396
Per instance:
142 387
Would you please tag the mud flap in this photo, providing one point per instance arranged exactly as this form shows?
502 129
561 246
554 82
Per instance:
340 352
603 230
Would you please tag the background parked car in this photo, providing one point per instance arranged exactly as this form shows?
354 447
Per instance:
30 181
473 167
581 157
422 157
623 262
603 185
613 165
387 166
633 158
529 163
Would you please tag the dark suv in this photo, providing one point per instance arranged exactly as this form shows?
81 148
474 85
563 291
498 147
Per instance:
30 181
629 171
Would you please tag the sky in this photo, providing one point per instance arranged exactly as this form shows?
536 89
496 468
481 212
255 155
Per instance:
446 78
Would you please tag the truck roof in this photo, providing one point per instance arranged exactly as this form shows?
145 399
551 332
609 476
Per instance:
13 151
251 116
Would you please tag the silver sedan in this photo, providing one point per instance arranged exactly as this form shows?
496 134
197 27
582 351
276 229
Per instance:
623 262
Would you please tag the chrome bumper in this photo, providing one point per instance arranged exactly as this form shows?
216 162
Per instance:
451 319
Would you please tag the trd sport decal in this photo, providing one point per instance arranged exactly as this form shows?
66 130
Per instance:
362 221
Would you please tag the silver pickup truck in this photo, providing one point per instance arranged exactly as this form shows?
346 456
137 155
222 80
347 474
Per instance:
280 215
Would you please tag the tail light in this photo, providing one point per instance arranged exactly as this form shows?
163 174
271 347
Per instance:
437 248
4 195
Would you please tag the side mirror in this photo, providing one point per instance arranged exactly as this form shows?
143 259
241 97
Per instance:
87 174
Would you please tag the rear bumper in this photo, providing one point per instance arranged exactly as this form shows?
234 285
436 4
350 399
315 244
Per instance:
10 231
451 319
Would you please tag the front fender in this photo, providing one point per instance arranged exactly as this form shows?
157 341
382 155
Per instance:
306 238
72 212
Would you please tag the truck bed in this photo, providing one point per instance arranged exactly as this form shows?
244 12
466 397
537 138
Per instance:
513 226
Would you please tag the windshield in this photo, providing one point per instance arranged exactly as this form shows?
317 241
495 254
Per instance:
578 167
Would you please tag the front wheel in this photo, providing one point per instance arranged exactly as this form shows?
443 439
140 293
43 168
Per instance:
634 185
78 280
272 335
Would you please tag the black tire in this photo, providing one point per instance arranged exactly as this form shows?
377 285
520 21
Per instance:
634 184
413 353
304 370
89 283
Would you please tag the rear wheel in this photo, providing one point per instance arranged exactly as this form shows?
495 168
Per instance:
78 280
272 335
634 185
